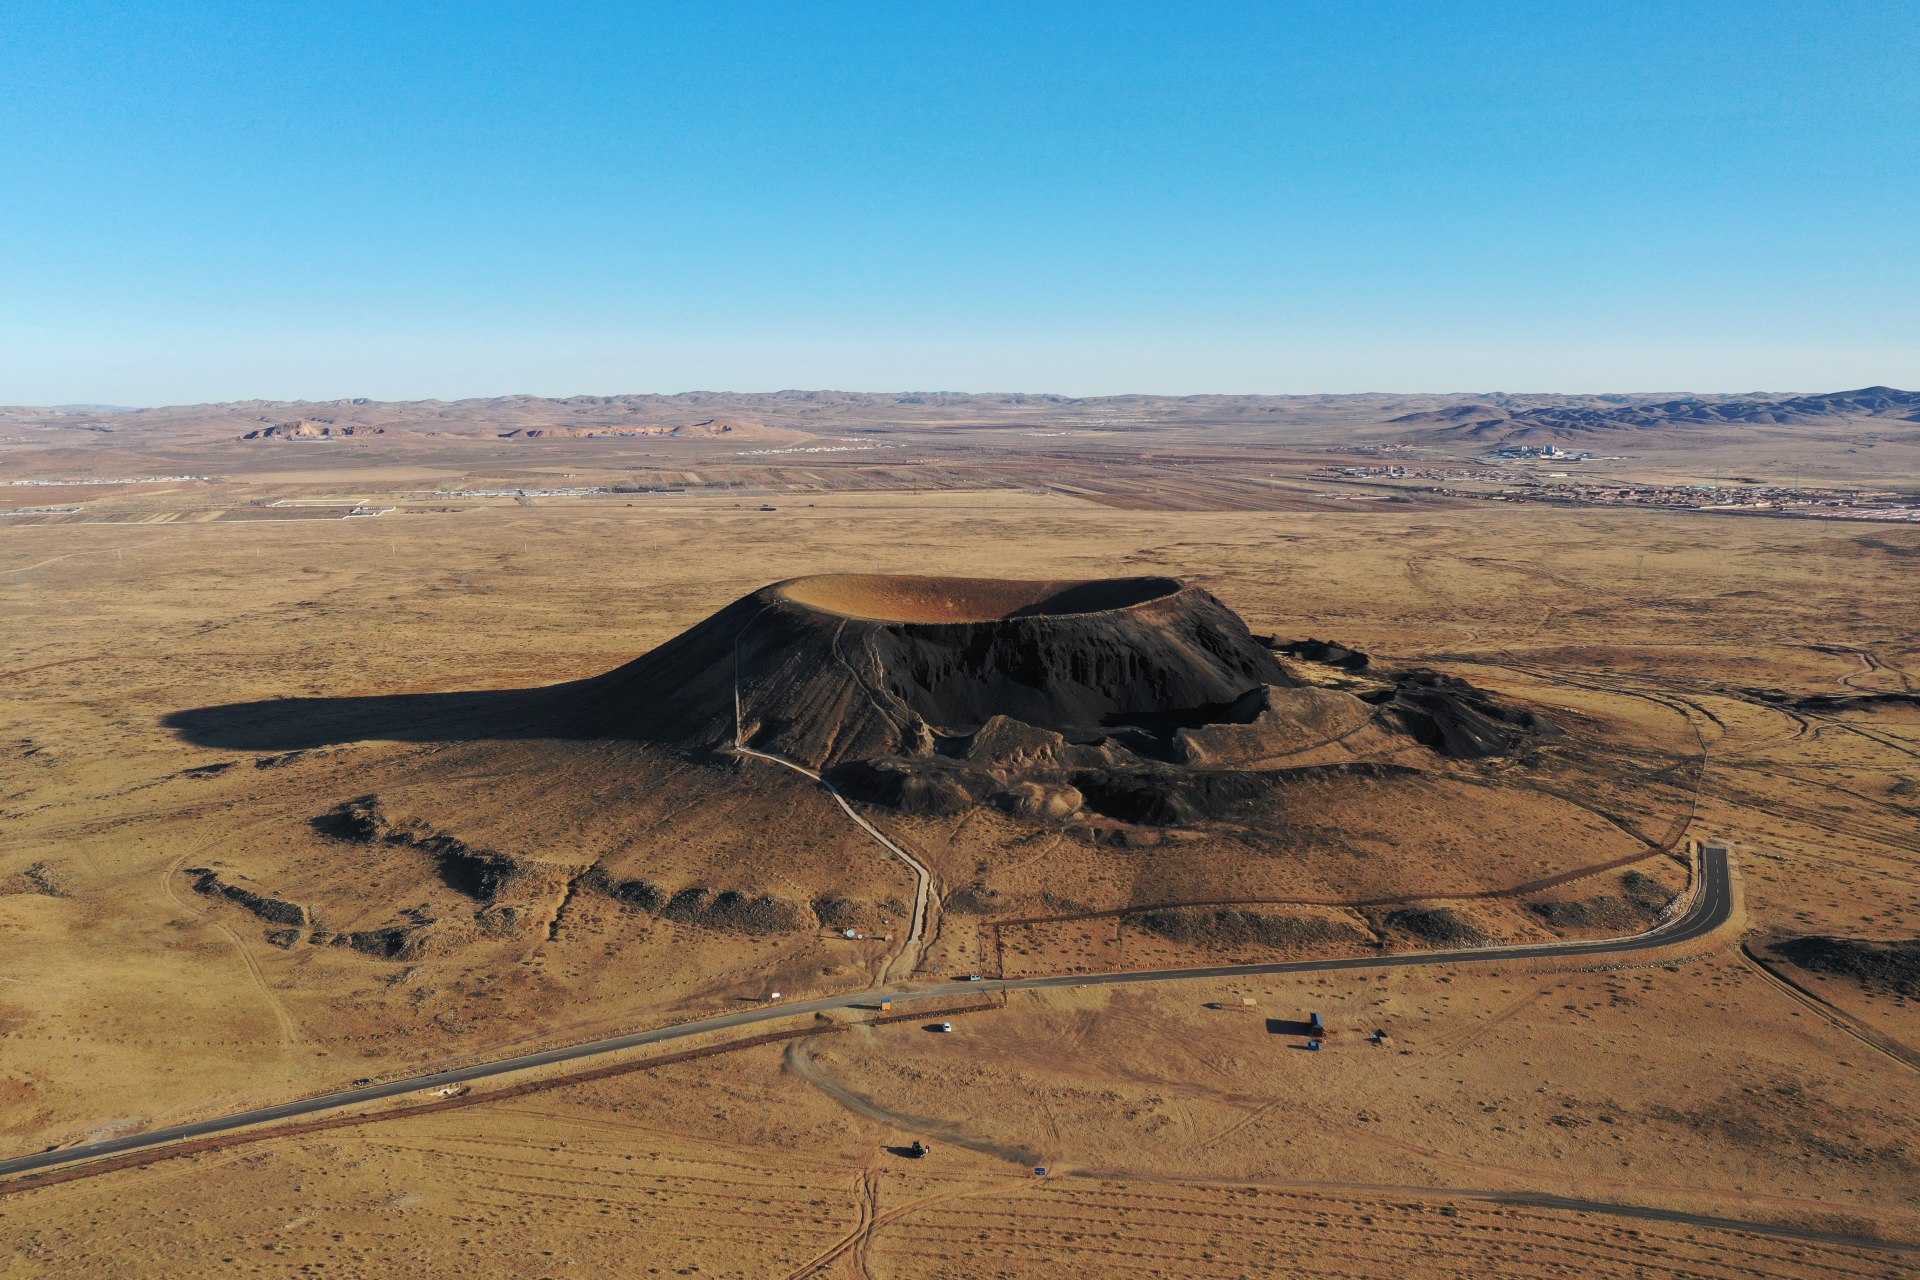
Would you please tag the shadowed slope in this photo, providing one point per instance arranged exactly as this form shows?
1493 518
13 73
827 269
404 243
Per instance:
823 677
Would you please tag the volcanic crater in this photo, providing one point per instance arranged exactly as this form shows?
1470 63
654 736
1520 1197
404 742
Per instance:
1144 699
1046 747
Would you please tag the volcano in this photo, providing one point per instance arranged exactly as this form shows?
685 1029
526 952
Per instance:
933 694
1145 700
1041 746
823 670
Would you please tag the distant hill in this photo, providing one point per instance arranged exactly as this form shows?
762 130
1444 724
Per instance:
1499 423
794 417
301 429
505 418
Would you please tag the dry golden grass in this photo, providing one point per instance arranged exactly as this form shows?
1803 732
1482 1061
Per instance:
1187 1139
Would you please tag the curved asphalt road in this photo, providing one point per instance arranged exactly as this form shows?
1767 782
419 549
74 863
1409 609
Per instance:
1712 907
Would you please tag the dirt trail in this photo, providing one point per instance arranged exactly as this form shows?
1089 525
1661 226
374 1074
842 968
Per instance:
907 959
1713 904
866 1200
1845 1021
84 551
1545 1200
800 1063
290 1037
857 1243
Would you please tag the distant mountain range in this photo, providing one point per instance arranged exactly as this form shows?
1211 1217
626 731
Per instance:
1480 420
793 416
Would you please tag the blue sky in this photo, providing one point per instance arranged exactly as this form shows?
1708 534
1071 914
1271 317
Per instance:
218 201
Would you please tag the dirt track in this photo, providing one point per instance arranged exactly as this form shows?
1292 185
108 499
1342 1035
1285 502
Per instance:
1712 907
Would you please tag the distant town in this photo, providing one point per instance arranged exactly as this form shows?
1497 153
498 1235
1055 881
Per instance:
1832 504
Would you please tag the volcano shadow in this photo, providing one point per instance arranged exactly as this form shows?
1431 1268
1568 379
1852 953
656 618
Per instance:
295 724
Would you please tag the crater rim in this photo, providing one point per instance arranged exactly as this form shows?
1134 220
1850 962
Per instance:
932 599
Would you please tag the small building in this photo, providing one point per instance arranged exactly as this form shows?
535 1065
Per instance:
1316 1025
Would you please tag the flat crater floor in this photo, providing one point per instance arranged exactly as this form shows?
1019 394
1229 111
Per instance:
923 599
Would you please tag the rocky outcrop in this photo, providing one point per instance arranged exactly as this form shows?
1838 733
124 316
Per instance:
1637 905
1040 801
360 820
481 874
1435 926
1327 653
730 909
1221 928
1456 719
924 788
1887 965
1270 722
273 910
310 429
395 942
643 894
37 878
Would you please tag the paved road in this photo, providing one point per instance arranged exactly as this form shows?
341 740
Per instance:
922 878
1712 907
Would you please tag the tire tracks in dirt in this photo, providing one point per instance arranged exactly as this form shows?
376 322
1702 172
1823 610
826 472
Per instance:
857 1242
290 1037
1839 1017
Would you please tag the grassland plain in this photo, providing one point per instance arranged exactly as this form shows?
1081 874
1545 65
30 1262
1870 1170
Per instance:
1180 1137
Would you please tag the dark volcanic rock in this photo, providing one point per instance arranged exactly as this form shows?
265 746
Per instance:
395 942
275 910
733 910
1143 700
1327 653
1892 965
480 874
1039 801
359 820
930 789
643 894
1439 926
859 667
1456 719
1838 701
1167 797
1230 927
1147 696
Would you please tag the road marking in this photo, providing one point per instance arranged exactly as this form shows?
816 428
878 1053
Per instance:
1712 907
